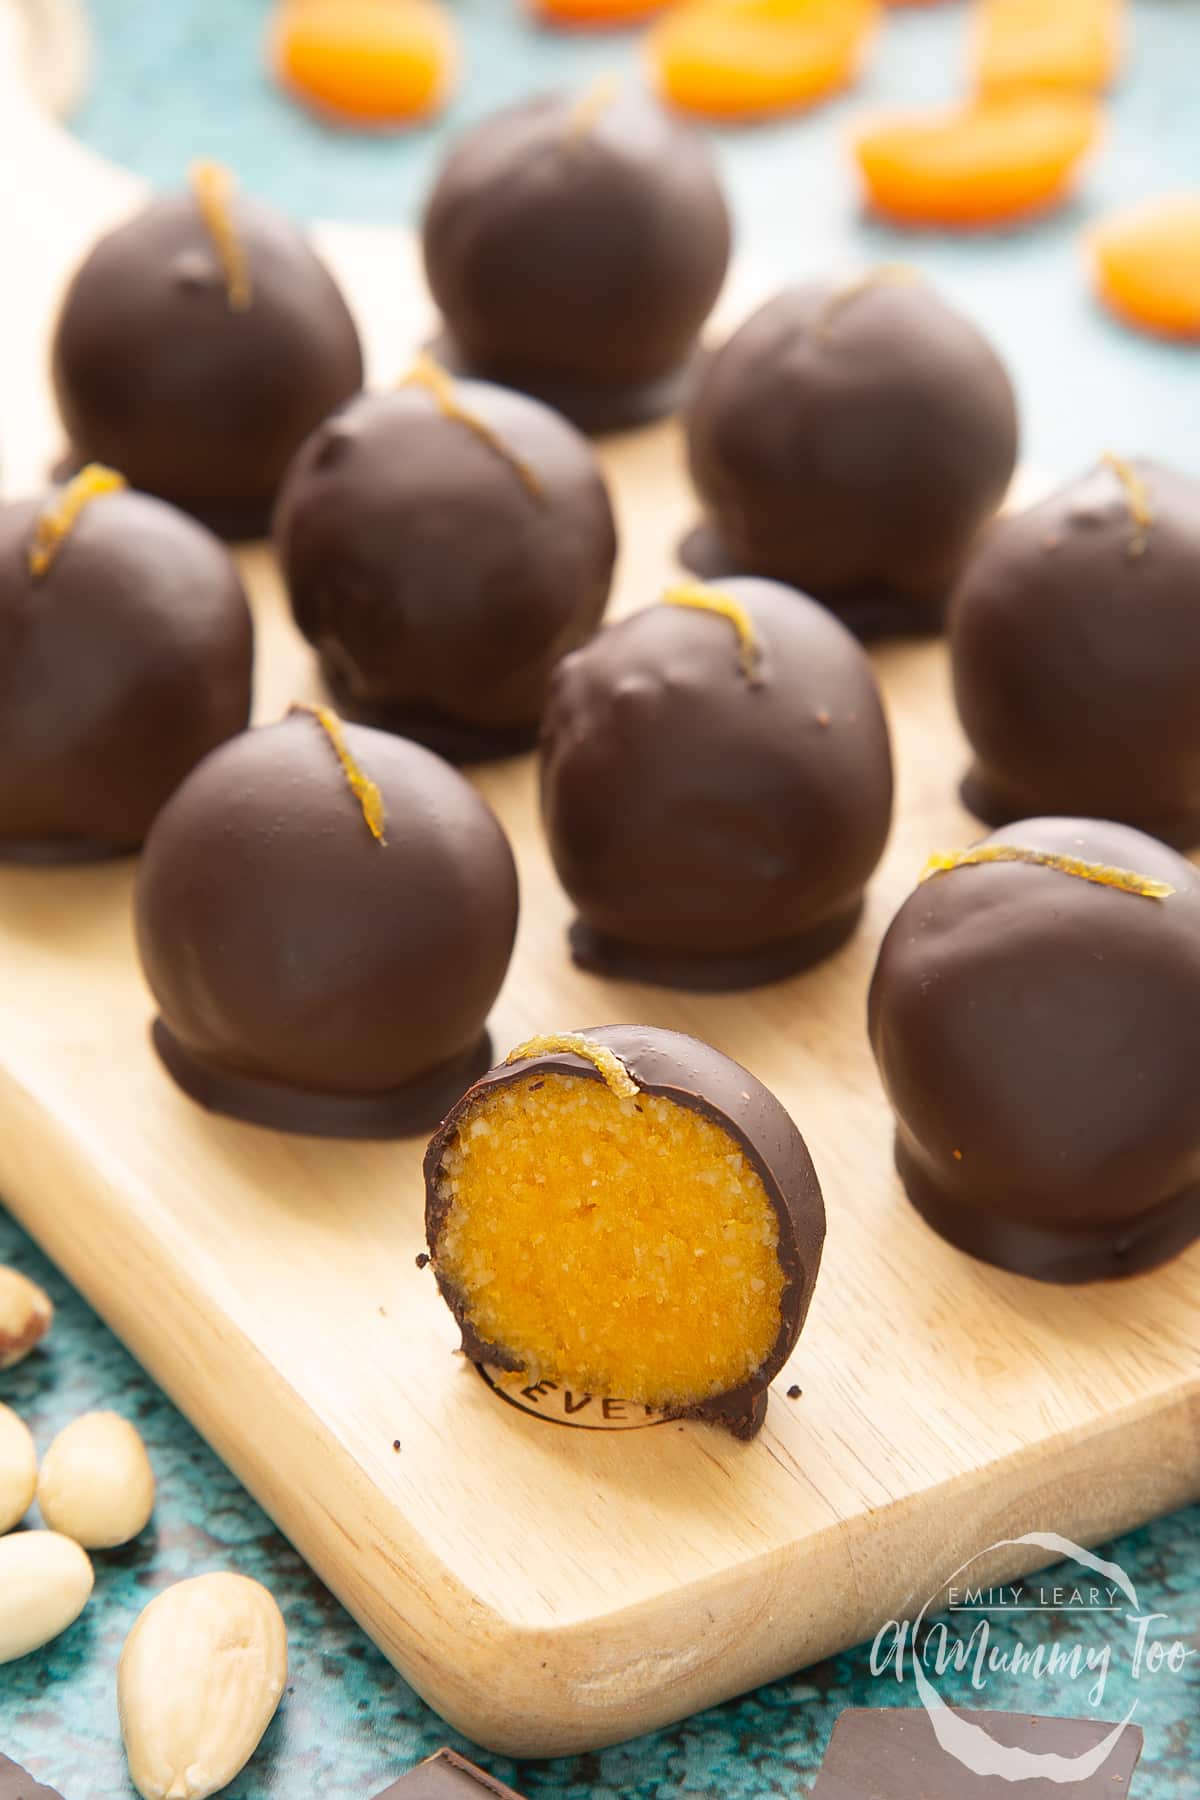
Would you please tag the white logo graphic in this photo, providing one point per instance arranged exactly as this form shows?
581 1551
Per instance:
908 1648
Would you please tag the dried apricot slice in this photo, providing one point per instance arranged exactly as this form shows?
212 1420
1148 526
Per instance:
984 163
1047 43
368 62
746 58
1146 264
593 13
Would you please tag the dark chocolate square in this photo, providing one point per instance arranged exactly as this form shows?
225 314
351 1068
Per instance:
892 1754
17 1783
444 1776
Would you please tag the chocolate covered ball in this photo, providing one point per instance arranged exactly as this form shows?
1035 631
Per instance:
1035 1014
576 245
852 441
1075 644
445 545
325 915
716 787
198 345
627 1213
126 652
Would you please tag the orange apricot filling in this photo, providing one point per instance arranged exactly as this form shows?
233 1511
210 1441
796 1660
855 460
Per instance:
1031 43
1146 265
369 62
983 163
749 58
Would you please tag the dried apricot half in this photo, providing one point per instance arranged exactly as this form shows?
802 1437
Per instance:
585 13
366 62
749 58
1146 264
986 162
1047 43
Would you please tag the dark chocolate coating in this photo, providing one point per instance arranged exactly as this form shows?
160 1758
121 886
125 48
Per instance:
852 443
579 263
893 1752
447 1776
691 1074
121 666
438 590
308 976
713 831
157 375
1047 1029
1075 644
17 1783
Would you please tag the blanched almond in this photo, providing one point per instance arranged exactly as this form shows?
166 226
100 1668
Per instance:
18 1469
45 1583
96 1484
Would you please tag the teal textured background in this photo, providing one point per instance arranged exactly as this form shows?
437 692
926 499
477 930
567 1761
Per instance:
185 77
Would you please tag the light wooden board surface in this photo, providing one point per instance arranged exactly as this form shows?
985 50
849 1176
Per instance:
549 1589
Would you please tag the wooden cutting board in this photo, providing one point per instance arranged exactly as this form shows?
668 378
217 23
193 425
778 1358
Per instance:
546 1588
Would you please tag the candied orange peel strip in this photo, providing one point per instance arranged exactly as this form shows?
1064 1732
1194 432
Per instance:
573 1043
430 375
592 105
701 598
883 275
1141 511
1103 874
57 518
214 187
358 781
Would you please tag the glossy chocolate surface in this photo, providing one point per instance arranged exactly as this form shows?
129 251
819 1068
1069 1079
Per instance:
121 666
576 245
158 375
716 829
851 441
692 1074
447 1776
892 1753
1038 1036
442 573
1075 644
308 976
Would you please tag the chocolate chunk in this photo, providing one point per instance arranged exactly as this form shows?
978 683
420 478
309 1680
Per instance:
716 787
448 1776
17 1783
1075 643
1035 1014
576 245
894 1754
852 441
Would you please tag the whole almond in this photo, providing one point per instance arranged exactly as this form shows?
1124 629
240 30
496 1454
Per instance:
96 1484
200 1677
26 1315
45 1583
18 1469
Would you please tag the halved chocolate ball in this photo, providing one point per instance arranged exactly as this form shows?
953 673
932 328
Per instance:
576 245
630 1213
1075 644
126 653
1035 1014
716 787
445 544
852 440
325 915
198 345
